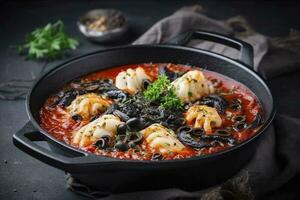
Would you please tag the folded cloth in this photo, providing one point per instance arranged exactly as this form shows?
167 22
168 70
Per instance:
277 159
279 61
191 18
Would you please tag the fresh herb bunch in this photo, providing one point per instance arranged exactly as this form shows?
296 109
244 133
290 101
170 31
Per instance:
50 42
171 101
163 92
156 89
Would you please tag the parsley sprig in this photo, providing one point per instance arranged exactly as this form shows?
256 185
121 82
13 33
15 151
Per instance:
163 92
50 42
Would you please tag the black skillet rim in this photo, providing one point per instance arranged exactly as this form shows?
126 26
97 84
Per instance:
263 128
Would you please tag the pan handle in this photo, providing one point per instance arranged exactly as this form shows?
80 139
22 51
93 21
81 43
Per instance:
246 50
73 161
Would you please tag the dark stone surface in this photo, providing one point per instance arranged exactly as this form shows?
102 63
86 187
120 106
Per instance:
22 177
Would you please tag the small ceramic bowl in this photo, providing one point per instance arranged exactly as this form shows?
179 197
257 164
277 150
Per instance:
103 25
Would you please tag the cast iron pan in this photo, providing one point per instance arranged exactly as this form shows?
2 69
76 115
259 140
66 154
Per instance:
115 175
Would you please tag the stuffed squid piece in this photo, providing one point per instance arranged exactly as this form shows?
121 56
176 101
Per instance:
106 125
88 105
201 116
192 86
132 80
161 139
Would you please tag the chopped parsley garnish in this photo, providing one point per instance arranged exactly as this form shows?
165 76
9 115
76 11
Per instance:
156 89
171 100
163 92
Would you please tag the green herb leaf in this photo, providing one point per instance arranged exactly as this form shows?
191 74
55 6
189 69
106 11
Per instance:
50 42
163 92
171 101
156 89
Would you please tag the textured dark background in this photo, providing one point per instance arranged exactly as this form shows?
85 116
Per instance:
22 177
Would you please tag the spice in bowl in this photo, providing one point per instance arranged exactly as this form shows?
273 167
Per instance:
103 24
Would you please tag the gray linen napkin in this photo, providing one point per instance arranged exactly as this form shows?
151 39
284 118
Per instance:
277 158
192 18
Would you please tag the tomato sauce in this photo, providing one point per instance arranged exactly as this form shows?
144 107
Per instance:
54 120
